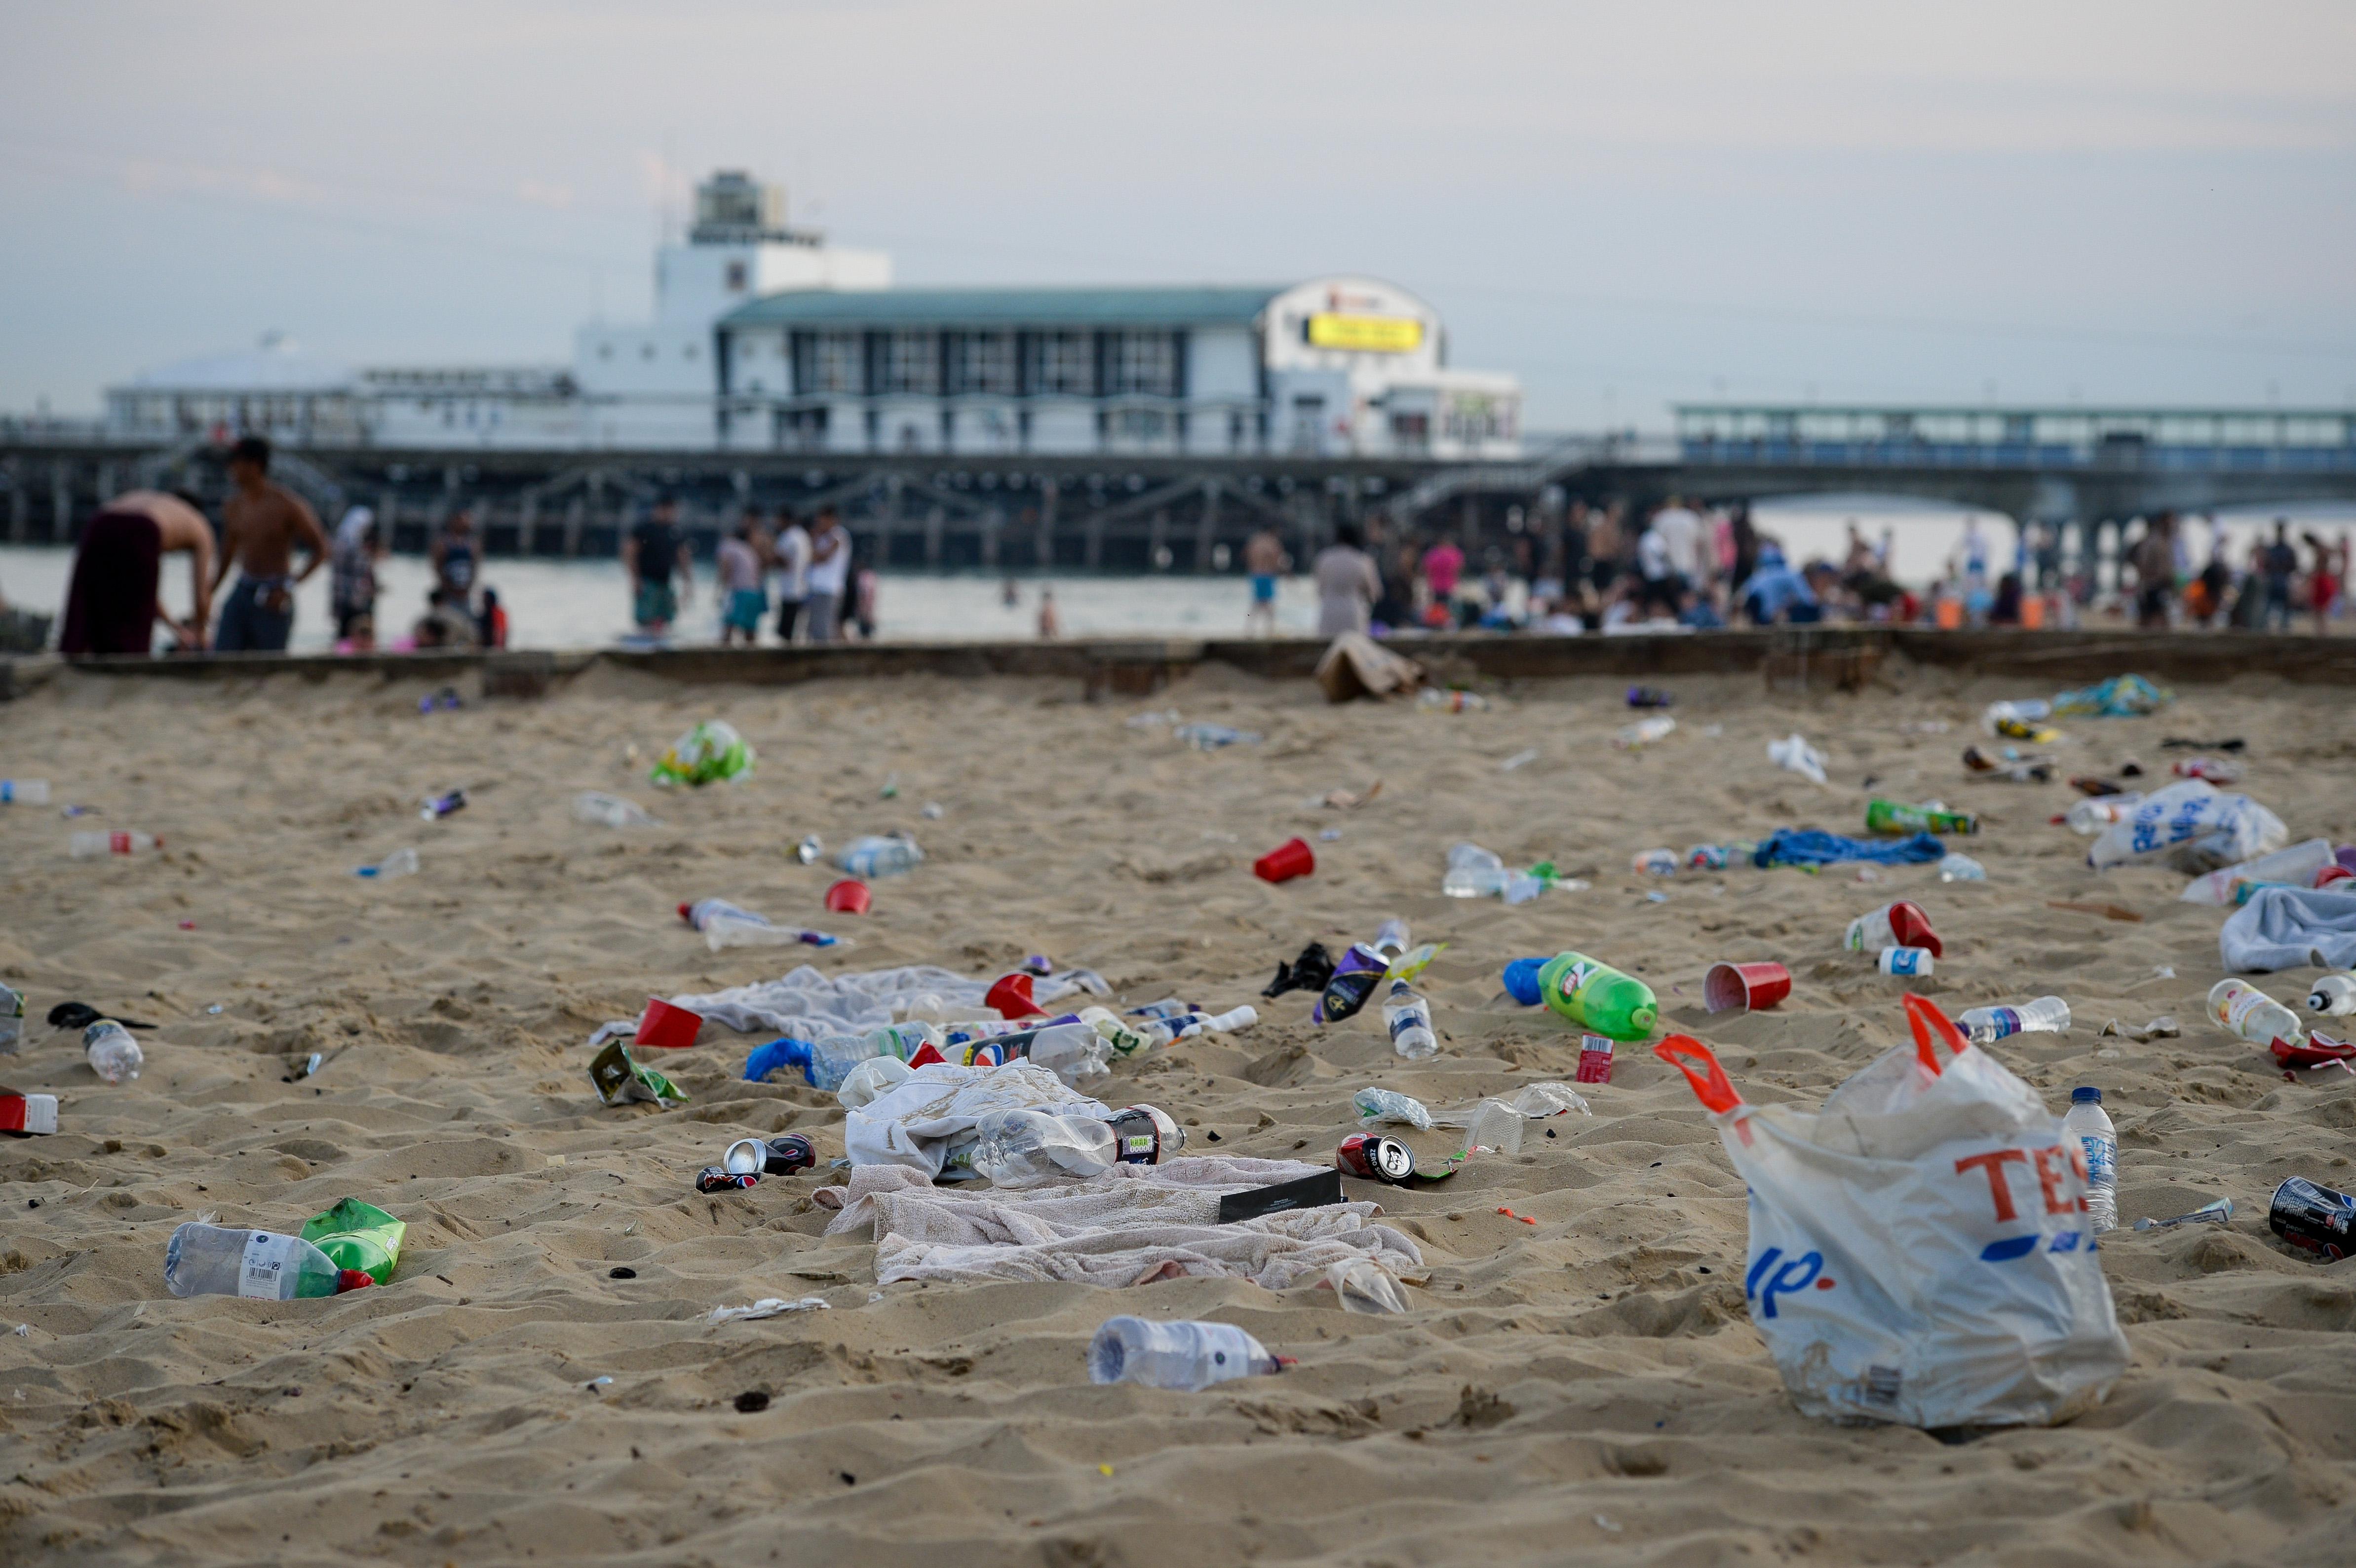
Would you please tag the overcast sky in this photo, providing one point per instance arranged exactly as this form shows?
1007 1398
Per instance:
1627 205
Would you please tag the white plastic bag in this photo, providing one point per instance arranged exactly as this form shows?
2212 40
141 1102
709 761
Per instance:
1920 1250
1797 755
2195 816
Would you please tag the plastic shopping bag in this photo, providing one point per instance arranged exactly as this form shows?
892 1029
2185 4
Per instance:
1920 1250
2206 827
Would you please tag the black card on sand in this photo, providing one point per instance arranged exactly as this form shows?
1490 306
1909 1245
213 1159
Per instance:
1309 1193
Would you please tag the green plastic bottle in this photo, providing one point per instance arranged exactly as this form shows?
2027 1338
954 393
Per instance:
359 1235
1597 996
1895 816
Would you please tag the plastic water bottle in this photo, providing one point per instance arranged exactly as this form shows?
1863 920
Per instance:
1024 1147
400 863
2245 1010
88 846
114 1054
26 792
1375 1105
1408 1018
1074 1052
1473 872
2091 1125
601 810
2332 993
871 856
704 911
2046 1015
214 1260
1189 1356
1961 869
2088 817
1645 732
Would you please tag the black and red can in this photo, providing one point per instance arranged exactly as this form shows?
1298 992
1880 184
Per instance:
1374 1159
2314 1219
720 1179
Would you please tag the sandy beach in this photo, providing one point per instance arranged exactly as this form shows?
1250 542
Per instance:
1587 1388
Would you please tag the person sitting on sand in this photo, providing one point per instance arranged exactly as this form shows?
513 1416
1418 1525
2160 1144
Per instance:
262 524
111 603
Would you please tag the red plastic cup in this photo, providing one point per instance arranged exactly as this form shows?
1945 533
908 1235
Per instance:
2333 873
1012 997
1289 859
1914 928
667 1027
848 896
1744 987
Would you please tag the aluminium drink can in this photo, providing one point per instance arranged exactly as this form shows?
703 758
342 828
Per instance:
1373 1158
2314 1219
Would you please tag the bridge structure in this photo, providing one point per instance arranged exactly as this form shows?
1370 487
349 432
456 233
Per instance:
2087 470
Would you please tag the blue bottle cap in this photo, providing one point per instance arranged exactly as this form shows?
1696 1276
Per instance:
1522 980
2085 1094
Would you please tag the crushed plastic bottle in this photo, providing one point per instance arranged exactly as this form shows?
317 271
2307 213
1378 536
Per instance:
724 925
24 791
2091 1125
114 1054
436 806
2243 1009
2046 1015
1185 1355
400 863
601 810
90 846
2091 817
1206 737
871 856
1797 755
1026 1147
1408 1018
1958 868
214 1260
1448 701
1645 732
1376 1106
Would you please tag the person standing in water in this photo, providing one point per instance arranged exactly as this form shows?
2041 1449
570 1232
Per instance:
1347 583
112 602
262 524
828 571
653 552
352 585
455 557
743 601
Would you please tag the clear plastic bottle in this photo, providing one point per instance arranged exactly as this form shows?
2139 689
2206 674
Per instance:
2091 1125
2091 817
24 791
400 863
1024 1148
1391 938
114 1054
2245 1010
1189 1356
90 846
1074 1052
1961 869
1408 1018
601 810
1474 872
871 857
2332 995
2046 1015
214 1260
1375 1105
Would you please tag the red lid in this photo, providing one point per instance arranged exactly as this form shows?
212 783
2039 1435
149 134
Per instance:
682 912
351 1279
1012 997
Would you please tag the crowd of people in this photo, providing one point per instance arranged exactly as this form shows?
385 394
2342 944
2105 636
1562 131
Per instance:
808 573
1600 569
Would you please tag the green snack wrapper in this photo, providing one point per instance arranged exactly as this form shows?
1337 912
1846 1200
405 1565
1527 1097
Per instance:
709 752
619 1078
357 1235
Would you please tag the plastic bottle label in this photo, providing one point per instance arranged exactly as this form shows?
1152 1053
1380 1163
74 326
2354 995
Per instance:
1403 1020
267 1258
2102 1162
2240 1005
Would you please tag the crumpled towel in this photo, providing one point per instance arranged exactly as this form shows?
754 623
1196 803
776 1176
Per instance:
1135 1224
2290 928
809 1004
914 1123
1814 847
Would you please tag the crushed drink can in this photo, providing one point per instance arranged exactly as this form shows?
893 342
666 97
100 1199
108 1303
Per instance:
769 1157
809 850
437 805
1594 1059
1374 1159
2314 1219
720 1179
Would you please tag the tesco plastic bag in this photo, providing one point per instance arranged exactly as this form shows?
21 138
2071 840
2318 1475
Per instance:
2206 826
1920 1250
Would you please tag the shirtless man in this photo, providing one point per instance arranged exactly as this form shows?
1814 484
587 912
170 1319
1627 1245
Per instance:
1265 559
112 603
263 526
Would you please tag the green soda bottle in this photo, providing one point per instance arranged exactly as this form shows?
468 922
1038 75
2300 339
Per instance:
1599 998
359 1235
1895 816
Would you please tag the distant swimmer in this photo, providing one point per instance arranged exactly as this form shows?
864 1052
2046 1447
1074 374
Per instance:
112 603
262 524
1264 558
